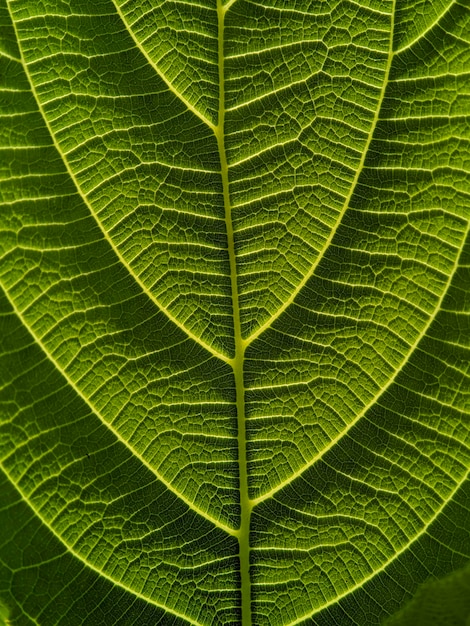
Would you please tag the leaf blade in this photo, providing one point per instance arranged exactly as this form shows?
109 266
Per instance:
351 378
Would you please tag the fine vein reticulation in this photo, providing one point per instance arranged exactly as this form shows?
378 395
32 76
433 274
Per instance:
234 368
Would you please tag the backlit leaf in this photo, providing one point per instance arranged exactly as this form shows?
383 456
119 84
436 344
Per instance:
235 304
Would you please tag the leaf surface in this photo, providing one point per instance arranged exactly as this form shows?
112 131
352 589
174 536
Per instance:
235 309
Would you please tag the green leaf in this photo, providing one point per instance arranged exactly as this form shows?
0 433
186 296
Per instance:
444 602
235 306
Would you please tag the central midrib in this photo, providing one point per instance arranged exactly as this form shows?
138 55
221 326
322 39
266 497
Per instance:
240 346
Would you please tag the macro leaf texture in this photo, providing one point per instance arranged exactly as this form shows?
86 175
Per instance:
235 306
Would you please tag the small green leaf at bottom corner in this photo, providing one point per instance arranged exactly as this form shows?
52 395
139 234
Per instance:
441 602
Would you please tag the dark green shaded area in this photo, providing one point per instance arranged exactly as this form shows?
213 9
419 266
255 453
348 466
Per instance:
444 602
